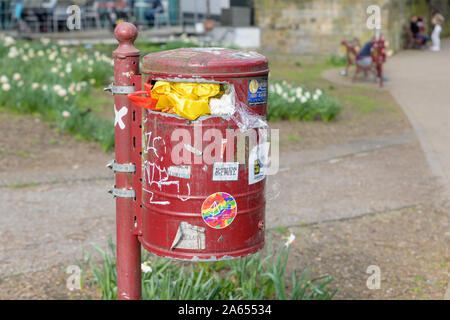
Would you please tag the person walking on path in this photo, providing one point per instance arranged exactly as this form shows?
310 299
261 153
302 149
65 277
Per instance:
437 21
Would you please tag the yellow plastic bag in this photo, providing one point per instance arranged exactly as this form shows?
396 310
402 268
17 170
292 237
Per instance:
187 99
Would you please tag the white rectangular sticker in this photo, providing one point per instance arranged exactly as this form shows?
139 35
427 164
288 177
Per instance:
180 171
258 161
225 171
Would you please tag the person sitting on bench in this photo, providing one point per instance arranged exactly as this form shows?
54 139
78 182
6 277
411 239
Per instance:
364 58
416 32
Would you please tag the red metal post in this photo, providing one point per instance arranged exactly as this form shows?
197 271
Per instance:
126 65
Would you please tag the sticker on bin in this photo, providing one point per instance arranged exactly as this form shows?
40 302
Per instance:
257 92
225 171
219 210
180 171
189 237
258 161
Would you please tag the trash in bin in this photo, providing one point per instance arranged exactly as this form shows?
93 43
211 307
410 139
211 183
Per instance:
146 101
187 99
223 104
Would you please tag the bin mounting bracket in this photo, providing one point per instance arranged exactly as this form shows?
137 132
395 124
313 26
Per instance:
119 89
121 167
123 193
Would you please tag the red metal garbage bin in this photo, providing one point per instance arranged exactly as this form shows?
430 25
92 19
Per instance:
202 210
205 209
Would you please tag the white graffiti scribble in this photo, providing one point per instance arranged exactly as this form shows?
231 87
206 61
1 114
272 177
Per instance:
119 115
154 172
189 193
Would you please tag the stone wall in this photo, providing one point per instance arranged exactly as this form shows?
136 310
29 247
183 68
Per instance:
318 26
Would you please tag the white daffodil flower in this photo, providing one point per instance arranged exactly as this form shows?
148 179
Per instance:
62 92
145 267
65 114
290 240
9 41
45 41
6 87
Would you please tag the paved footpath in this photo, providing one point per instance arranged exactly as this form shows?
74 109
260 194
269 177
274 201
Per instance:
420 82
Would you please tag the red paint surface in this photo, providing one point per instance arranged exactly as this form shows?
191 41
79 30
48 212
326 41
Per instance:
214 62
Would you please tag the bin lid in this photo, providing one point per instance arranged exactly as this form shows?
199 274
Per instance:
205 62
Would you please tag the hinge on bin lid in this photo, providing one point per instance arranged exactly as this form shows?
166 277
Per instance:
121 167
123 193
119 89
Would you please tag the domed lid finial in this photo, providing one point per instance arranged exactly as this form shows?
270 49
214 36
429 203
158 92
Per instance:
126 33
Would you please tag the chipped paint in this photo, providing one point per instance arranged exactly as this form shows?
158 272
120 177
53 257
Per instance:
128 74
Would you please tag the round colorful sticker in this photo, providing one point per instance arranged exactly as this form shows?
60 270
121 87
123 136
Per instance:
219 210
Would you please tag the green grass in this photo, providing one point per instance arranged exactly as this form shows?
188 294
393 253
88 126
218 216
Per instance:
98 102
281 229
306 70
23 153
255 277
23 185
362 104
